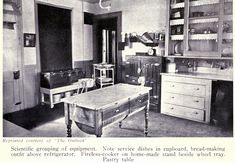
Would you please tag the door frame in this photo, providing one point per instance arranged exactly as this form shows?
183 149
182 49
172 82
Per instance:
118 56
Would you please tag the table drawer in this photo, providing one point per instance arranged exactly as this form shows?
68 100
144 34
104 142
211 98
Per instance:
184 100
183 112
115 110
138 102
184 88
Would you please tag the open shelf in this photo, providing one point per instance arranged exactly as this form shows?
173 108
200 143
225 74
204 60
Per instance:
177 22
203 2
204 19
177 5
203 36
177 37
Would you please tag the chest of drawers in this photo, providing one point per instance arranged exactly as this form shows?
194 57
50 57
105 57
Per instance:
186 97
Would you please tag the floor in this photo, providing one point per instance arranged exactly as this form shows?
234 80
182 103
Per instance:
159 126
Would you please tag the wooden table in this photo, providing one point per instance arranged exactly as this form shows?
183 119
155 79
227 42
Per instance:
94 110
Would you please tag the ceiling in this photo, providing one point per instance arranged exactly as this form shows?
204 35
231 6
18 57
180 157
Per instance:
93 1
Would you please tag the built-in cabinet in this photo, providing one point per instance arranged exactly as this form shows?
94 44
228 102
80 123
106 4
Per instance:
199 28
186 97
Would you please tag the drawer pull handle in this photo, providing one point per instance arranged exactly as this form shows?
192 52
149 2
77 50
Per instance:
172 97
195 112
172 85
117 110
116 103
197 89
196 101
172 108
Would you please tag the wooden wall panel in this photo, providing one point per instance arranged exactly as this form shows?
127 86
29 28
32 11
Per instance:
31 86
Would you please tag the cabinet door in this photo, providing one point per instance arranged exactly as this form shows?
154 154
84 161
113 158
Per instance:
227 29
202 28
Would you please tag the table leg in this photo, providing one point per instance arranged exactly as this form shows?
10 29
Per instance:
51 100
68 121
69 130
98 135
98 124
146 113
42 97
120 122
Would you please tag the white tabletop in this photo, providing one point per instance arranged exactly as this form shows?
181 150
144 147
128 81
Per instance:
104 97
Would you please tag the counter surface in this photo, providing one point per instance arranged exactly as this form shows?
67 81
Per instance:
201 76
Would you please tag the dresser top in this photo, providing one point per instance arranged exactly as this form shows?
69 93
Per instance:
201 76
108 96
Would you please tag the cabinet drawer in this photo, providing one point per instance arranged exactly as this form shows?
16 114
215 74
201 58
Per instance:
183 112
184 88
115 110
138 102
184 100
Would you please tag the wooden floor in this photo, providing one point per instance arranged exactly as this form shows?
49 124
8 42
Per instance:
159 126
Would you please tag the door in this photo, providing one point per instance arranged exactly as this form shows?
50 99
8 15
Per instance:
12 60
106 35
202 28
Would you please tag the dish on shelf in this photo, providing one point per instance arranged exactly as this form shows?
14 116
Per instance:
178 48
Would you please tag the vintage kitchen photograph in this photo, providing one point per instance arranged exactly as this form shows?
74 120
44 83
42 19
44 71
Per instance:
117 68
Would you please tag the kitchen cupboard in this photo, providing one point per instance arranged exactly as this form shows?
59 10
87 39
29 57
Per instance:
199 28
185 97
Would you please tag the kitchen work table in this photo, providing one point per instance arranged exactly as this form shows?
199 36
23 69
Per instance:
94 110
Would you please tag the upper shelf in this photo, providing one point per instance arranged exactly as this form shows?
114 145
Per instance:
177 37
177 5
204 19
203 2
177 22
211 36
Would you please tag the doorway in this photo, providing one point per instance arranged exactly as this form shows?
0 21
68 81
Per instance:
106 35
